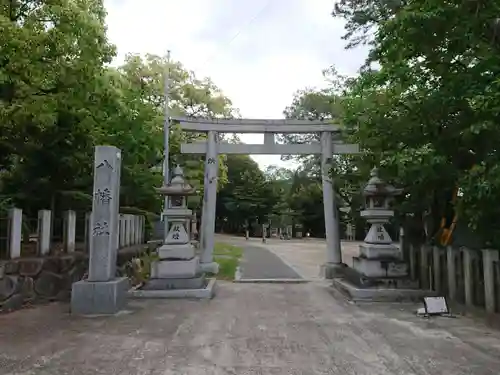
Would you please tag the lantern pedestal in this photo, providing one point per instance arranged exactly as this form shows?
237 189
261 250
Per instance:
379 273
177 272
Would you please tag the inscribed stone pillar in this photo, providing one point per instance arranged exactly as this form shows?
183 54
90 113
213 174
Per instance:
44 231
102 292
69 230
210 200
15 232
104 222
333 252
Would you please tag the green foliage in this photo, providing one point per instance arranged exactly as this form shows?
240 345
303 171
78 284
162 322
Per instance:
248 197
428 114
139 268
59 98
228 257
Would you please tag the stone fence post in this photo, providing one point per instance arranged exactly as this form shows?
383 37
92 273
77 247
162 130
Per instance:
490 258
469 256
44 231
143 228
69 234
137 229
129 229
451 260
86 236
122 231
15 232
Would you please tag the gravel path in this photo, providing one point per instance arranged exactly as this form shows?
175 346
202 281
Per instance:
247 329
260 263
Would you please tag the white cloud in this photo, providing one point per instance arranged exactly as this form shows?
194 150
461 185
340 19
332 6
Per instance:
282 50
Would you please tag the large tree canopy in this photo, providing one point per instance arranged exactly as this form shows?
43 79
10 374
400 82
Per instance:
424 107
59 98
428 114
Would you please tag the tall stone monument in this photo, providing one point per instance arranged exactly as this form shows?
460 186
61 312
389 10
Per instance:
102 292
178 267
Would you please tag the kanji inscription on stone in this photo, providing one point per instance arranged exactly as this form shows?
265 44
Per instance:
104 164
100 229
103 196
105 217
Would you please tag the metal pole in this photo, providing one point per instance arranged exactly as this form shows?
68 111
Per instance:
166 136
166 125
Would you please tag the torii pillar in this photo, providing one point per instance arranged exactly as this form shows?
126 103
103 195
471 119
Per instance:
333 266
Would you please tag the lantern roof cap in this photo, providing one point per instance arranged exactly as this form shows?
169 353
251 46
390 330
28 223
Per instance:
177 185
378 187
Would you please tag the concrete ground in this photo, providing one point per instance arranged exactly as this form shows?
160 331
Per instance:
268 329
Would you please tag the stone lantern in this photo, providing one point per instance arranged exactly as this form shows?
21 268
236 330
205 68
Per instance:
378 273
178 267
379 257
378 196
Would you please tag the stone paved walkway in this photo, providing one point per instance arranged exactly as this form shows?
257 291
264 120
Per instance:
260 263
303 256
248 329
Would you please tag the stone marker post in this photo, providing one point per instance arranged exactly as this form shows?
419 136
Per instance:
15 232
69 234
102 292
44 231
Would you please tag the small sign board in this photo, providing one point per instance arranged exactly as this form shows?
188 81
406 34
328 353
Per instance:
436 306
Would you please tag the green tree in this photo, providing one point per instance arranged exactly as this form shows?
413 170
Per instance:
52 55
428 114
58 99
248 197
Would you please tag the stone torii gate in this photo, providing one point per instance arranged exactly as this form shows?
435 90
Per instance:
330 144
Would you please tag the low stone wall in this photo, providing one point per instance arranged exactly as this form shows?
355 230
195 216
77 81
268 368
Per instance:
44 279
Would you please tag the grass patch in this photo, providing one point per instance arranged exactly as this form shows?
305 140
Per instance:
228 257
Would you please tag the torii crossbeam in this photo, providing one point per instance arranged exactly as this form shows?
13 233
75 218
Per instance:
330 144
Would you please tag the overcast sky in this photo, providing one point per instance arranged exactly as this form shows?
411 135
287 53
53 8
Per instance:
259 52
